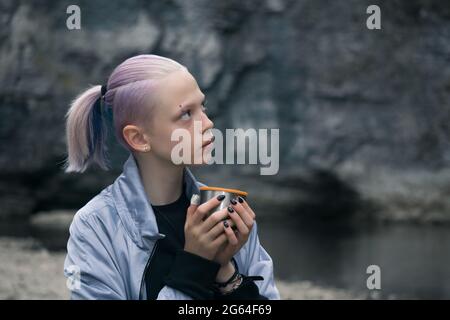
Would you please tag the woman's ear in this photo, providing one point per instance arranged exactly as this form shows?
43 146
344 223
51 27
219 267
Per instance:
136 138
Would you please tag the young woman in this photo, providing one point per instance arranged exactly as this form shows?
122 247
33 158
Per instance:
141 237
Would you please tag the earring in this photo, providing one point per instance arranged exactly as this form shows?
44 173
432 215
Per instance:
147 148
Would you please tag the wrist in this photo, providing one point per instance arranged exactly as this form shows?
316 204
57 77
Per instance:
192 274
225 272
235 284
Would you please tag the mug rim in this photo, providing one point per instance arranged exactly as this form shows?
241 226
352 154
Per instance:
236 191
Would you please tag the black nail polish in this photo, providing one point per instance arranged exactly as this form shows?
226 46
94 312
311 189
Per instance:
225 223
240 199
220 197
233 202
230 209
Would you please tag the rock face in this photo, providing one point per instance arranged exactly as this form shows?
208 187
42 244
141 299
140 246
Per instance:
348 101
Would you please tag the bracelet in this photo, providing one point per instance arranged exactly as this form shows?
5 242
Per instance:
236 284
224 284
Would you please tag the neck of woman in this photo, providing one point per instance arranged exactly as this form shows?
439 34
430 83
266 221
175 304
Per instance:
162 180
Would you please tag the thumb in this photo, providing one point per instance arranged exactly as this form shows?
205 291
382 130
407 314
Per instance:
195 201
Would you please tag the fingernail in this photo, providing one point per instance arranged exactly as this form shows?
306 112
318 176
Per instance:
230 209
221 197
195 199
225 223
233 202
240 199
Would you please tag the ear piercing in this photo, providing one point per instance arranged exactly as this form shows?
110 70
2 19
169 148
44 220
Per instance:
147 148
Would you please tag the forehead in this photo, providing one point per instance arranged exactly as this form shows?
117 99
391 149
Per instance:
179 87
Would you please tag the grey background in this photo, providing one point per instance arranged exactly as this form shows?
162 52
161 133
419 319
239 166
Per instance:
363 117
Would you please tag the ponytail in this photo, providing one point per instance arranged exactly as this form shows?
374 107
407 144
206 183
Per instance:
86 132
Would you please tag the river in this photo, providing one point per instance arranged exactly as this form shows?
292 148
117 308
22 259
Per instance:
413 259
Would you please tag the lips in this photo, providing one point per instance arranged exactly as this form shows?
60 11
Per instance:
208 142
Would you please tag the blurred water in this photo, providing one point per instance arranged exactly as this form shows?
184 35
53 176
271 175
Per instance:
414 260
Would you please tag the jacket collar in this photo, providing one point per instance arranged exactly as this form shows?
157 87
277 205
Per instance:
133 206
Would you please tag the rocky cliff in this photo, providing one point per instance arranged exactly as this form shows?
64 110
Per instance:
363 114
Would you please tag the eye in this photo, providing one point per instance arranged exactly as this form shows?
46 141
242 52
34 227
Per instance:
204 108
186 115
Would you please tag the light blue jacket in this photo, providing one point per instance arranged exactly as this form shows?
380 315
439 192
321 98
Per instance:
112 239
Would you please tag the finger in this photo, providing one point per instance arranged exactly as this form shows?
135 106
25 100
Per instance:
191 211
218 228
243 213
231 236
209 205
221 239
246 206
214 219
241 226
215 231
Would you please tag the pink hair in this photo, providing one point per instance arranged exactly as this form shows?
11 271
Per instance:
130 94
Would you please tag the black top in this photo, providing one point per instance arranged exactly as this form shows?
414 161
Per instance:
190 273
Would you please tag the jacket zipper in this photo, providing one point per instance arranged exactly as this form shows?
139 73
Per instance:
145 269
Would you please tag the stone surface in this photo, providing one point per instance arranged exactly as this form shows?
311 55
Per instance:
52 228
348 101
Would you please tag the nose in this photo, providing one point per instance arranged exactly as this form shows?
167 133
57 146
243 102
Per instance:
207 123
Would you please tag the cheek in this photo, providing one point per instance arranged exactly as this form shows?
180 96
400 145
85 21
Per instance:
168 144
161 138
189 130
163 144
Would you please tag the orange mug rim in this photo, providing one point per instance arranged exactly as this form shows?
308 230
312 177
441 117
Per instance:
236 191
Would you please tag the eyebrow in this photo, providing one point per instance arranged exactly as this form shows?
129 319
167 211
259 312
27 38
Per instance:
182 107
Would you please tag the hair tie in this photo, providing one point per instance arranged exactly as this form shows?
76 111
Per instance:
97 133
103 90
